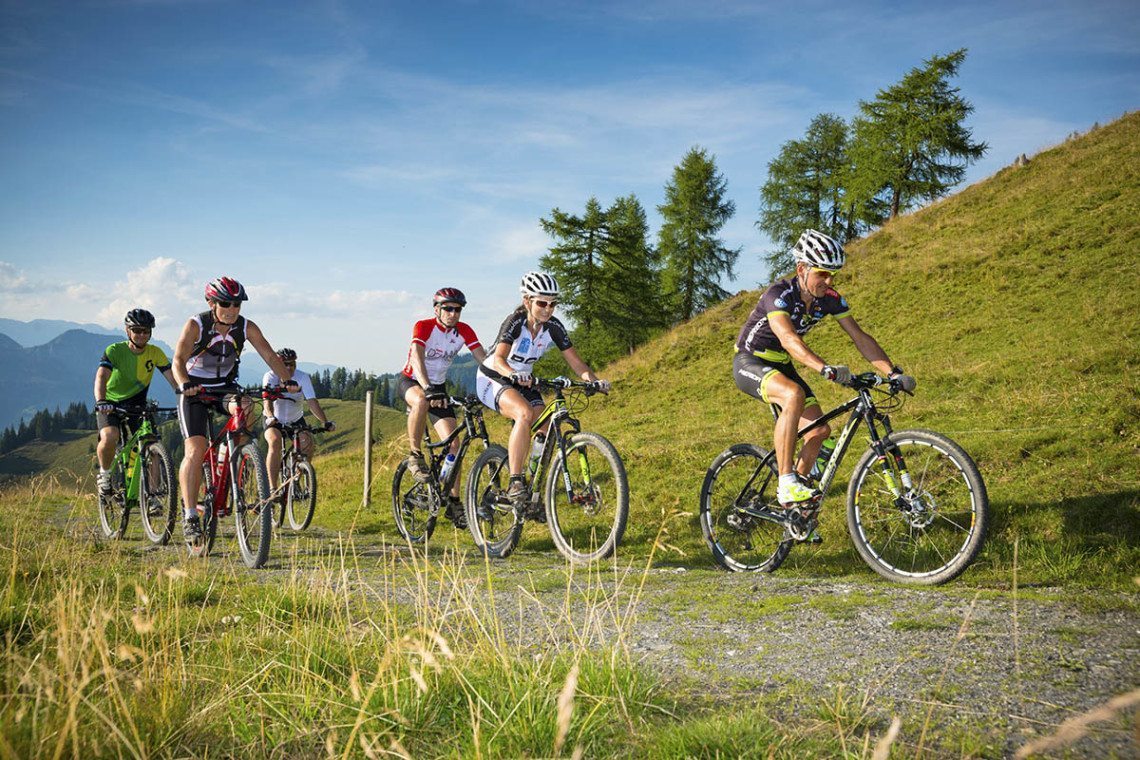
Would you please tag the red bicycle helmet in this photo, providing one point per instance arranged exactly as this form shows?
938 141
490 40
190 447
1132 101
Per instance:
449 295
225 289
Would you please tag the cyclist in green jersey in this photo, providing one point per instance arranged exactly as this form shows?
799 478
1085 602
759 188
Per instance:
122 380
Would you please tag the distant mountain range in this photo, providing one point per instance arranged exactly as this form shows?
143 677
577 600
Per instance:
49 363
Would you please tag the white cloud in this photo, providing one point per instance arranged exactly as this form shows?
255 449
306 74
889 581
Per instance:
12 280
163 286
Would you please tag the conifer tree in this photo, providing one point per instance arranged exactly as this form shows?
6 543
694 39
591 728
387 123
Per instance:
910 144
695 259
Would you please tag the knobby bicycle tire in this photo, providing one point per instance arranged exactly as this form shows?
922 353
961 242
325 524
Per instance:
113 512
301 501
931 535
588 523
492 523
253 512
737 487
209 519
412 506
158 497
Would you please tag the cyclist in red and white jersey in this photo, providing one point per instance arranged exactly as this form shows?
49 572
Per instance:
504 379
206 360
772 337
423 382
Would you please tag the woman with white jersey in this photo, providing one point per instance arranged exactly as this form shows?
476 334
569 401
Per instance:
504 380
206 359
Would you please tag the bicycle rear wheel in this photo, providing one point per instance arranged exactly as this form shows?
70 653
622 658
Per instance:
158 498
301 501
113 512
738 511
587 498
934 527
415 506
490 515
253 512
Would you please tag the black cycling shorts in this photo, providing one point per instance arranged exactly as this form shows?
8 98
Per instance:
136 404
405 383
751 374
194 412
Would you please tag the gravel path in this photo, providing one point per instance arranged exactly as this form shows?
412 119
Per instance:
996 670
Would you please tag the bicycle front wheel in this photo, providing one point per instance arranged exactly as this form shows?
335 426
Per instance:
490 515
205 542
415 506
253 512
302 499
738 511
113 512
158 497
587 498
918 515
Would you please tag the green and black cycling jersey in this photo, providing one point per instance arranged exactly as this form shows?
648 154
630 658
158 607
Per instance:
783 297
131 373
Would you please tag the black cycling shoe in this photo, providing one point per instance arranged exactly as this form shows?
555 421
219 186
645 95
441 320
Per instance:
455 512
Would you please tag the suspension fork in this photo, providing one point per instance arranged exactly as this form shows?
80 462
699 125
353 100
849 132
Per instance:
887 454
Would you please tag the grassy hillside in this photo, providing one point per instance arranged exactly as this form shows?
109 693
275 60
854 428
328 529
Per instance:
1013 303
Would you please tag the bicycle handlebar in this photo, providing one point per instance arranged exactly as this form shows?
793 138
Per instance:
564 383
868 380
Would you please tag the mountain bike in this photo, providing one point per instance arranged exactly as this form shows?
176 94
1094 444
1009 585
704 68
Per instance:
917 508
416 506
585 498
142 478
298 478
234 480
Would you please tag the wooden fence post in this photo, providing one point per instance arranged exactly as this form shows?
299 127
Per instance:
367 501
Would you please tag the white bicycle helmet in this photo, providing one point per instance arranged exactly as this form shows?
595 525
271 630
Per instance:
538 284
818 250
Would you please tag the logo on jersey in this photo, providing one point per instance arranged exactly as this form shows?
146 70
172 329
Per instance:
524 345
843 302
150 365
781 303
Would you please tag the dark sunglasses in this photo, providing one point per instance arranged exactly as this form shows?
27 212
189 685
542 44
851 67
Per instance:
451 309
228 304
545 304
289 362
140 330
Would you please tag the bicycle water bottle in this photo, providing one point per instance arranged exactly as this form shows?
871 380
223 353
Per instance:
536 452
825 452
448 463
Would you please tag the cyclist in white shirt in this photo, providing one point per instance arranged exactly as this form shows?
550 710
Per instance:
286 411
504 379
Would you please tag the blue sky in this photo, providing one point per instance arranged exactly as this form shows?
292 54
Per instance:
345 159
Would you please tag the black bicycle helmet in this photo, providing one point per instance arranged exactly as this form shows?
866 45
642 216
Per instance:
139 318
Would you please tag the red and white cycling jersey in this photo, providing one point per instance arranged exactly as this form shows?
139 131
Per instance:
440 347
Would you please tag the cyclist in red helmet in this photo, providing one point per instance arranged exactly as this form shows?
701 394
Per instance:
206 359
422 384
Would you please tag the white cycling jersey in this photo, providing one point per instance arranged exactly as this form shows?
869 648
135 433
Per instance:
290 409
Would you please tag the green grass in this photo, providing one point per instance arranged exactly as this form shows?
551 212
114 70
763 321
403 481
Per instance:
987 298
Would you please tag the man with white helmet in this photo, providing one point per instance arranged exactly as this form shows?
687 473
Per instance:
504 380
772 337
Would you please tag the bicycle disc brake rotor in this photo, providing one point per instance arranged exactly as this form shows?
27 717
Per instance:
588 497
919 509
